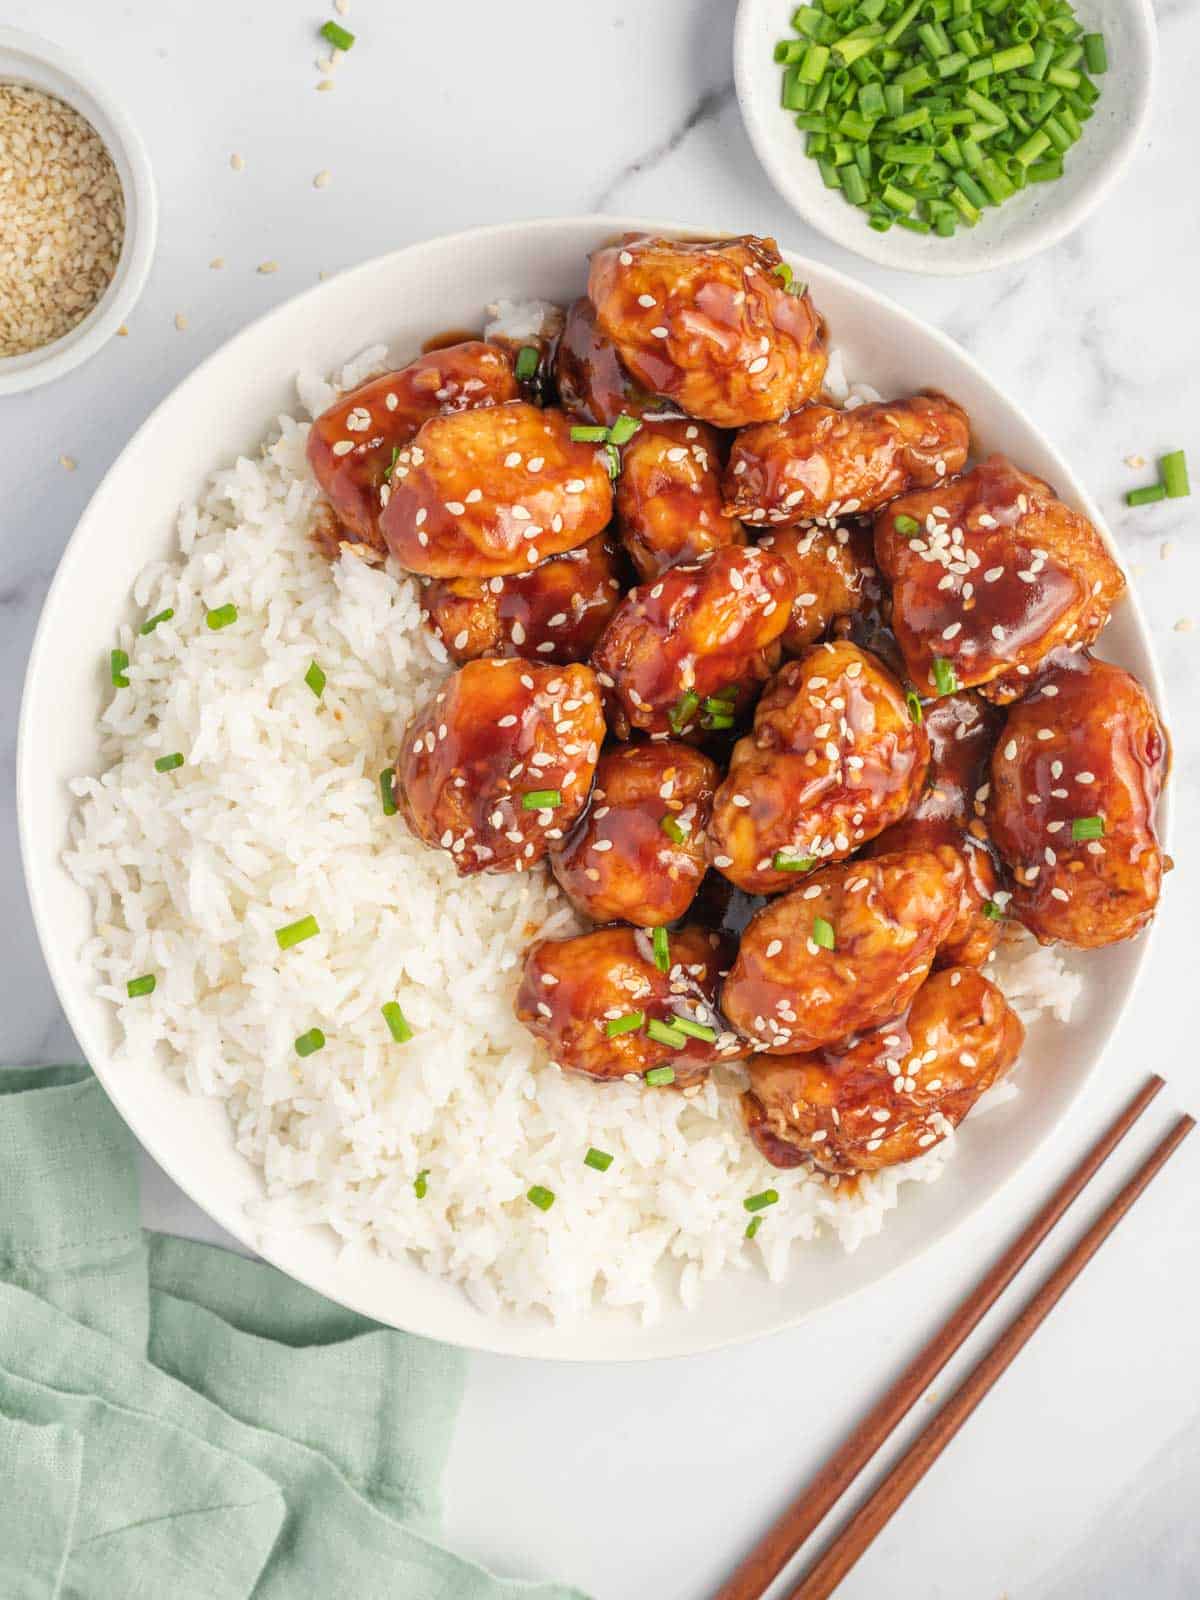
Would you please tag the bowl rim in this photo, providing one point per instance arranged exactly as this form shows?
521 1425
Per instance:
1050 227
61 74
60 961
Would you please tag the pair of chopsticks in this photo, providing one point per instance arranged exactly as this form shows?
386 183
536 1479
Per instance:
780 1543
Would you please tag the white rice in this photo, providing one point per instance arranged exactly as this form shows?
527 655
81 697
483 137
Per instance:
275 815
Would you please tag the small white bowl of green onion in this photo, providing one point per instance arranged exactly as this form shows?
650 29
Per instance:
945 136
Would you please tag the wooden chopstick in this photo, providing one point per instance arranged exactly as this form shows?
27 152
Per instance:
780 1543
827 1572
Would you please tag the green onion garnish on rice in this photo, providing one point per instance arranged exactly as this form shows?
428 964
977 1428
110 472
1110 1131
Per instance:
315 679
664 1033
694 1030
1087 828
527 362
541 799
309 1043
661 945
753 1226
421 1183
296 932
169 763
543 1199
397 1022
944 675
629 1023
340 38
136 987
159 616
822 933
221 617
660 1077
118 660
759 1202
387 791
598 1160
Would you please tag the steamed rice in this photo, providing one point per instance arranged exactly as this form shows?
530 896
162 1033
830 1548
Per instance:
275 815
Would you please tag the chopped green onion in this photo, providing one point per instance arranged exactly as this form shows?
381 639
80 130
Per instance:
1173 469
315 679
159 616
660 1077
695 1030
664 1033
913 701
309 1043
391 466
340 38
623 429
661 946
906 525
586 433
682 712
944 675
543 1199
598 1160
1146 496
760 1202
629 1023
421 1183
387 791
992 911
782 270
136 987
784 861
541 799
1087 828
613 456
1094 53
118 660
296 932
527 362
221 617
397 1022
168 763
822 933
673 830
718 723
753 1226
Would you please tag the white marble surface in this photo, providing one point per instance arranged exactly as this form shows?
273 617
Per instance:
1079 1476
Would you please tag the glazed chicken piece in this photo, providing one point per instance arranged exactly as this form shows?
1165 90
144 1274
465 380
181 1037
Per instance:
498 765
824 462
1076 776
894 1093
844 952
598 1002
485 493
592 383
962 730
991 572
637 853
669 496
351 446
835 758
700 632
711 324
835 573
553 614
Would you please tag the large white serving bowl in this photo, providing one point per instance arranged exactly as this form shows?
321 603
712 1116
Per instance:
223 409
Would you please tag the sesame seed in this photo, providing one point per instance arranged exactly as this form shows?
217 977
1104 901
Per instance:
322 180
659 332
773 949
759 364
1010 750
181 321
265 268
646 300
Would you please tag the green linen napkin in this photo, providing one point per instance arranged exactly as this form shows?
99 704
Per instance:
176 1420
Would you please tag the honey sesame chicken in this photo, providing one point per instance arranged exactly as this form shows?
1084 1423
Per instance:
825 462
496 738
352 445
845 951
597 1001
669 496
592 382
553 613
710 324
834 758
637 853
699 631
490 492
1076 776
835 573
893 1093
989 573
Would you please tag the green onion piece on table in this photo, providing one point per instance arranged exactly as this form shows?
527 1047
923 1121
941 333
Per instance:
1094 53
1146 496
169 763
629 1023
340 38
118 660
296 932
598 1160
1174 473
136 987
397 1022
542 1198
309 1043
315 679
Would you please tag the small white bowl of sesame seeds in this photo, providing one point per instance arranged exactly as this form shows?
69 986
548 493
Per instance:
78 213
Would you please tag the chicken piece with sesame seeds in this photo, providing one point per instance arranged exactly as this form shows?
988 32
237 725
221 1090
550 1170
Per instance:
598 1000
892 1094
352 446
488 492
834 758
592 382
824 462
1076 776
714 325
845 951
668 501
637 853
497 765
685 653
554 614
836 577
991 572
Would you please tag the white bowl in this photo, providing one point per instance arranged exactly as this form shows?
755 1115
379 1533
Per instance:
26 59
1041 215
223 409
